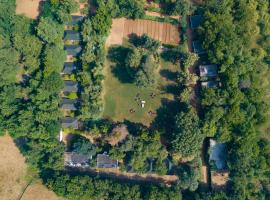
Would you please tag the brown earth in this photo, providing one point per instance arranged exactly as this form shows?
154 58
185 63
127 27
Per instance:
30 8
13 173
123 28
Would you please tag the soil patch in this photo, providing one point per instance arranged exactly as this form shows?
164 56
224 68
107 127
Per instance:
30 8
122 28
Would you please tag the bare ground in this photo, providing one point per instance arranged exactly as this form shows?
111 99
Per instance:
13 172
30 8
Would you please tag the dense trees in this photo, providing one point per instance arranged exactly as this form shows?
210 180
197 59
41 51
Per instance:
236 110
187 137
142 153
86 187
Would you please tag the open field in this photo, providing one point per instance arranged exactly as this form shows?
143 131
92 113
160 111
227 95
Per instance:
13 172
122 28
30 8
120 94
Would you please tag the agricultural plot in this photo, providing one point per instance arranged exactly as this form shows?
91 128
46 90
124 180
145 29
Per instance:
122 28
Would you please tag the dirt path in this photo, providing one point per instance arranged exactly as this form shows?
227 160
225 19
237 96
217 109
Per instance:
125 176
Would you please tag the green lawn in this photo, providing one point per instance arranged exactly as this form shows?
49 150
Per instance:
119 94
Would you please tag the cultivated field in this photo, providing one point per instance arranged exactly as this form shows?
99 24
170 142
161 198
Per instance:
30 8
13 173
122 28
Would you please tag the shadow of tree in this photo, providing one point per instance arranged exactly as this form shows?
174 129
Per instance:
171 89
169 75
117 55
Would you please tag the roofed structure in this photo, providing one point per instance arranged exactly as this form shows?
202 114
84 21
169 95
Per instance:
70 122
70 86
195 21
209 84
69 104
208 70
69 68
73 50
218 154
73 159
104 161
72 35
197 47
75 20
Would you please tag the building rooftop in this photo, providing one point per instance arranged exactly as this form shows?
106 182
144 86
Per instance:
69 104
70 86
195 21
69 68
75 20
72 35
209 84
217 153
208 70
104 161
70 122
73 50
197 47
74 159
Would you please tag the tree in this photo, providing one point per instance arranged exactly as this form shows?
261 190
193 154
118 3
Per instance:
54 58
133 61
50 31
8 66
84 147
187 137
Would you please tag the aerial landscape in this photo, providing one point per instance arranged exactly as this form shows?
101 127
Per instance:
135 99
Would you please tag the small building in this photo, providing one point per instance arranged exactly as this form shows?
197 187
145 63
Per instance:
208 70
70 86
69 68
217 154
69 104
73 50
218 166
75 20
209 84
70 122
72 35
72 159
195 21
104 161
197 47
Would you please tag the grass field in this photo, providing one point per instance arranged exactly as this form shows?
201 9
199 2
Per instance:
120 94
13 175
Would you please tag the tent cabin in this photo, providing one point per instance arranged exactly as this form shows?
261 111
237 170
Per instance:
69 68
73 50
70 86
72 35
69 104
197 47
72 159
208 70
75 20
70 122
104 161
195 21
209 84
